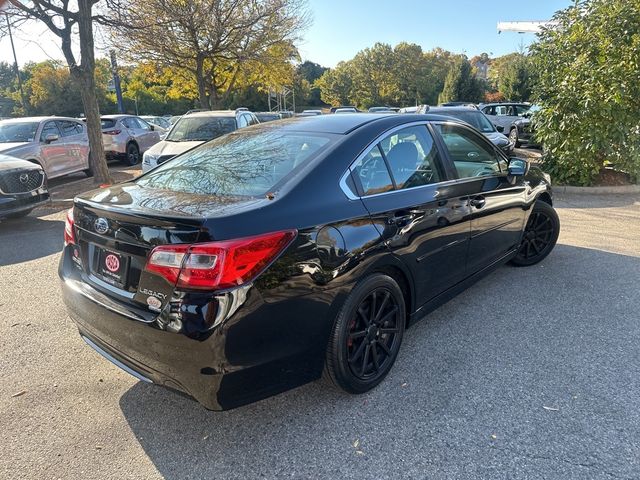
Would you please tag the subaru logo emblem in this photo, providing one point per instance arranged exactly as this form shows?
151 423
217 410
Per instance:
24 178
101 225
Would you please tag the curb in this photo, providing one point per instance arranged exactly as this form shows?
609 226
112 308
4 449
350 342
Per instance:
622 189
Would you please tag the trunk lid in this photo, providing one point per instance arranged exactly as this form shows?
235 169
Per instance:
117 227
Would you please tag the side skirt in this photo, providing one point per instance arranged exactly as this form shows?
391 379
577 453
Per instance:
451 292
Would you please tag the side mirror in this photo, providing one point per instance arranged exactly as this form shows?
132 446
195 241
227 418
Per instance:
518 167
499 128
51 137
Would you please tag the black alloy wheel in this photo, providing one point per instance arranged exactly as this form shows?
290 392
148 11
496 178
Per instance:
133 154
540 235
367 334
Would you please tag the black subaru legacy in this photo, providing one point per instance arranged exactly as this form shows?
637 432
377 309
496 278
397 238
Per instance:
257 261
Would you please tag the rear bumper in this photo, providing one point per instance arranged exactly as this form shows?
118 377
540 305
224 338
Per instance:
19 202
262 349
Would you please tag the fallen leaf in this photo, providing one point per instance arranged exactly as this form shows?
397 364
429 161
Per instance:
404 384
359 452
493 436
19 394
205 437
356 443
98 447
551 409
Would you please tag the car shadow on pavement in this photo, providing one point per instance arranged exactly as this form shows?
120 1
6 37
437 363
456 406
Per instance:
17 237
514 374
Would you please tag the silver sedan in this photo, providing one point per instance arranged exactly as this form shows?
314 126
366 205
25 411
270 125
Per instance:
59 144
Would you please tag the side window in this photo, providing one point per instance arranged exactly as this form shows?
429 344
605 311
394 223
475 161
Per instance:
488 111
141 124
412 157
521 110
50 128
242 121
127 122
471 157
501 110
68 128
373 173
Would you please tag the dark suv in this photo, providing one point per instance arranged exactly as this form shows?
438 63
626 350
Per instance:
22 187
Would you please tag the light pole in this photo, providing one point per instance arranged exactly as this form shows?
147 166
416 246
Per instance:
15 63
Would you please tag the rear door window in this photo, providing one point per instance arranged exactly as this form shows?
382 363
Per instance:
412 157
107 123
373 172
69 128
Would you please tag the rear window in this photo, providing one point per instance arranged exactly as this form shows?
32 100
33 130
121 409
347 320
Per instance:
107 123
191 129
244 164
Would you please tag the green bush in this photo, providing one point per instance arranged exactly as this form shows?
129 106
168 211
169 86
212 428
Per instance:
589 90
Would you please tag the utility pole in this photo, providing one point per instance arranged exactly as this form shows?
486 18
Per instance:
116 81
15 63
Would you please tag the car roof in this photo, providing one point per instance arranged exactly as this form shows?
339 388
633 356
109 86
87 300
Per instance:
445 110
344 124
493 104
215 113
38 119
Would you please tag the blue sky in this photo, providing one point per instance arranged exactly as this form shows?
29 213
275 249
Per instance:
342 28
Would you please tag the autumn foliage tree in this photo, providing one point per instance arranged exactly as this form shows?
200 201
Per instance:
220 44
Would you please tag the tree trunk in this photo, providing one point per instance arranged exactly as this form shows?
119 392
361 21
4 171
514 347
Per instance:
97 159
203 98
85 77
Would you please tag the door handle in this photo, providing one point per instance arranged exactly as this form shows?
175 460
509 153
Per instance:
478 201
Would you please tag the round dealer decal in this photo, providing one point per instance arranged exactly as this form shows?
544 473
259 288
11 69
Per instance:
112 263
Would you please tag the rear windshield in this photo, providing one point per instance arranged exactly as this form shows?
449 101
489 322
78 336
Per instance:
107 123
245 164
18 132
191 129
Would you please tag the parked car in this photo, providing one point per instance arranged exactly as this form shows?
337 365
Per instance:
58 144
409 109
480 122
158 122
346 110
458 104
381 110
522 131
23 187
505 113
310 113
267 116
127 137
350 108
194 129
251 264
286 113
174 119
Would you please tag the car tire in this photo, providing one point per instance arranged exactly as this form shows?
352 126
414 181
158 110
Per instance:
513 136
540 235
367 334
132 155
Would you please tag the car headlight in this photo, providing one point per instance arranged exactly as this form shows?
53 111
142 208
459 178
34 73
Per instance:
149 159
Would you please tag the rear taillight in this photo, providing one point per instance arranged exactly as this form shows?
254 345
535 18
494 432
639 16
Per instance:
218 265
111 132
69 235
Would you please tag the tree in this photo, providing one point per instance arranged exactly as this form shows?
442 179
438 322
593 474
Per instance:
216 42
60 17
335 85
513 75
588 89
461 84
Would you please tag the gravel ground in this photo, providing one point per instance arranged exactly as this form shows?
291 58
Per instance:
531 373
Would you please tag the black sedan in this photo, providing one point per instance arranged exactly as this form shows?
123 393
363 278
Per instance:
22 187
257 261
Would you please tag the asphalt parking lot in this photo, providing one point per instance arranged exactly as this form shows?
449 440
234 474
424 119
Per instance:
531 373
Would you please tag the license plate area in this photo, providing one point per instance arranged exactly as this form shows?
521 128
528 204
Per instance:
111 267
